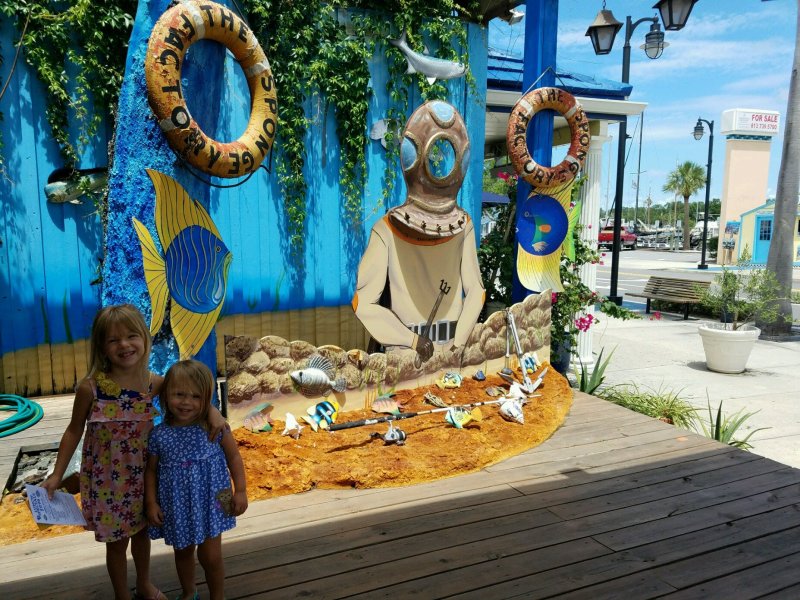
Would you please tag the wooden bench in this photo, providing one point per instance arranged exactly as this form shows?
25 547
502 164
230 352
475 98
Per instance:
669 289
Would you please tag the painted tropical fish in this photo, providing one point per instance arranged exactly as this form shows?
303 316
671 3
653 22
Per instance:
317 378
322 414
193 271
546 230
431 67
386 404
449 381
258 419
458 416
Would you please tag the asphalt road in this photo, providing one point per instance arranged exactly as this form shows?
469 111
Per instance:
637 265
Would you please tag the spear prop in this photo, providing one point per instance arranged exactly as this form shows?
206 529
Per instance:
408 415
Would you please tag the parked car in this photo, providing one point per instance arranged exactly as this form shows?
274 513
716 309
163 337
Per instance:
606 238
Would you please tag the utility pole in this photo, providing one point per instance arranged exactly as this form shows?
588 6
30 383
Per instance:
638 174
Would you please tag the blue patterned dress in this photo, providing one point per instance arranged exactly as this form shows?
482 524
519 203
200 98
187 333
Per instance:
192 472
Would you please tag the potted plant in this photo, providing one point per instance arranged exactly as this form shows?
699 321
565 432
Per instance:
742 296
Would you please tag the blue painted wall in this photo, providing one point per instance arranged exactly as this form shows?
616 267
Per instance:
49 253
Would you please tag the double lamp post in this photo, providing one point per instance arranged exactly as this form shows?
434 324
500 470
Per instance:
674 14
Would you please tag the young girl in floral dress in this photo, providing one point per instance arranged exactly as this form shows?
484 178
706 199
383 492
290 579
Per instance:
114 404
188 492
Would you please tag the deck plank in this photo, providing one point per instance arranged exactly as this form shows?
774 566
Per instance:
612 502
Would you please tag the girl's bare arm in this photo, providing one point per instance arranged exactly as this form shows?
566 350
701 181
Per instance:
84 396
236 467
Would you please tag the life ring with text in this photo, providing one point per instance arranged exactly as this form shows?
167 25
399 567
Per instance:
178 28
517 137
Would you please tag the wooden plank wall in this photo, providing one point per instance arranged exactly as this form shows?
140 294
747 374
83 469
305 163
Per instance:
49 253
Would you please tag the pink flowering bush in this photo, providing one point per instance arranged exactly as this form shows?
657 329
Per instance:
568 314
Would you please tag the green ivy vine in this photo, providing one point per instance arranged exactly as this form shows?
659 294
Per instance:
85 40
318 50
323 56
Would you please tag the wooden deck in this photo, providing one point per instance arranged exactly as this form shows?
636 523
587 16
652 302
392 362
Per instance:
614 504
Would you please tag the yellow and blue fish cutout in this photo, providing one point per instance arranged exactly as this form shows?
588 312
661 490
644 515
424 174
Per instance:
192 273
545 230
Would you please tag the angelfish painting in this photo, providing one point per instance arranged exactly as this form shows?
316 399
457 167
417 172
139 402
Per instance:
192 273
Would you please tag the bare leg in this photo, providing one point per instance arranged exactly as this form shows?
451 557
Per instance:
140 549
210 555
184 564
117 566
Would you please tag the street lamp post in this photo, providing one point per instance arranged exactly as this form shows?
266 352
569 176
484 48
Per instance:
698 134
602 33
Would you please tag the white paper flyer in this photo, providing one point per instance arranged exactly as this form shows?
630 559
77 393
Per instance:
61 510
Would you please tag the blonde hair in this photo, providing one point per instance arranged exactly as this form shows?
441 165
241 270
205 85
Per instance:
106 318
199 375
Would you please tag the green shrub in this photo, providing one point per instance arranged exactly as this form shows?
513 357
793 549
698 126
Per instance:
722 428
662 404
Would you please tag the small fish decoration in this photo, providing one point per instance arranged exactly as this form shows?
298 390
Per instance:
479 376
317 378
69 185
258 419
386 404
192 274
511 410
292 428
530 362
449 381
544 234
322 414
494 391
394 435
458 416
381 128
431 67
431 398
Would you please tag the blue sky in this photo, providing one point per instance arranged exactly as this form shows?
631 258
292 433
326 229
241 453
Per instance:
731 54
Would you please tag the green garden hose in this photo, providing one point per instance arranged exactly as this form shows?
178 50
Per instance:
28 413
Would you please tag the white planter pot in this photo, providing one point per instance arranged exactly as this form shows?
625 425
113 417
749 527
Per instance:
726 350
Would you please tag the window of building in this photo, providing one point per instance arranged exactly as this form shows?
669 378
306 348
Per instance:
765 230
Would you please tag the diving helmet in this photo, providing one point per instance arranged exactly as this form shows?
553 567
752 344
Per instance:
434 156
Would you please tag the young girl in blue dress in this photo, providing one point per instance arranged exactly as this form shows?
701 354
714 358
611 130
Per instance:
188 495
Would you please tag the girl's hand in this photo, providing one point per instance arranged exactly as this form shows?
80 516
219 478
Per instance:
51 484
154 515
239 503
216 424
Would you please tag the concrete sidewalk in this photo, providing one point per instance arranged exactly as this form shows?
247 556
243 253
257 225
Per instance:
667 354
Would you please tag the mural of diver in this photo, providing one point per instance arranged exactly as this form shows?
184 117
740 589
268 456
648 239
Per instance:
425 241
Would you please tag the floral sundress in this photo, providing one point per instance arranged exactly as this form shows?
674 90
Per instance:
113 460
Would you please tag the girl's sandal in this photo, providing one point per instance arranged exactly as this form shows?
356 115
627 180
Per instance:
158 596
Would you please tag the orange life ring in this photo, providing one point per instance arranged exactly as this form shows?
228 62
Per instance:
517 137
176 30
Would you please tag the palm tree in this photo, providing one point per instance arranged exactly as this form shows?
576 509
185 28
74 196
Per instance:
685 180
780 257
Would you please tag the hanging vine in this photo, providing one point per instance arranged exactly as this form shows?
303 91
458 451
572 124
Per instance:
322 56
82 40
311 52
